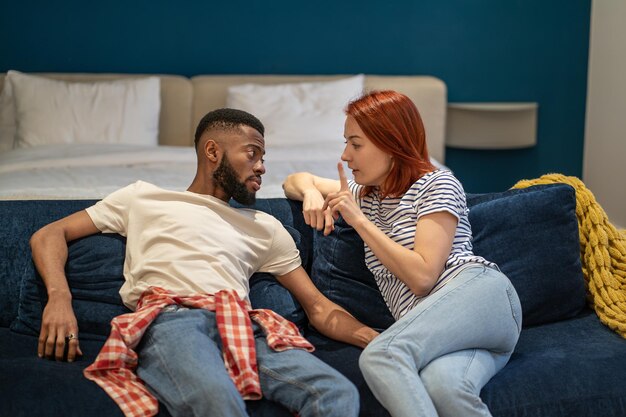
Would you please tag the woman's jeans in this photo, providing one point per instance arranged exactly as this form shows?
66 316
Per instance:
435 360
180 360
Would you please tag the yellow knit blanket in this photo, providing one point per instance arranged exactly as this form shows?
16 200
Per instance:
602 252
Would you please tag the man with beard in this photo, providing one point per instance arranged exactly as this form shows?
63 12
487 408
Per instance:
201 349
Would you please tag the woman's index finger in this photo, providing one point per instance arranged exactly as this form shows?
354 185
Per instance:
343 181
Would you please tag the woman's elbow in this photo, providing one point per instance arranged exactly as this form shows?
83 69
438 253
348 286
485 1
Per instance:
420 290
288 187
292 185
423 284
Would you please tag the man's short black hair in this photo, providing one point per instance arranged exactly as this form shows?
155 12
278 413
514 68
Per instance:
227 119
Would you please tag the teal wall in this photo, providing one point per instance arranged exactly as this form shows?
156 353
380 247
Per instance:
485 50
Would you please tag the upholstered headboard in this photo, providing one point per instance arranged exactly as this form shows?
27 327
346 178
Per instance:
428 93
184 101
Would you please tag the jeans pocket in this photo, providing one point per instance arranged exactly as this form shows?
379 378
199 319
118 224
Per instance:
516 307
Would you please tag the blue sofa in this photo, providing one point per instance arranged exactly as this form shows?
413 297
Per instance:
566 363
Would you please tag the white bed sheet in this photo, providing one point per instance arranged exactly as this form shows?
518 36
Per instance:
92 171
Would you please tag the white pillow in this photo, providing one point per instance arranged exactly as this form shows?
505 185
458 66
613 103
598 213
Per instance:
303 122
59 112
7 117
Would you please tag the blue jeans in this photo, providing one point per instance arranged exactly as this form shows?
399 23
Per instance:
180 361
435 360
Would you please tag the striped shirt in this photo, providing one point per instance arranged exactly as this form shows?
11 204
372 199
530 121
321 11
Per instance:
437 191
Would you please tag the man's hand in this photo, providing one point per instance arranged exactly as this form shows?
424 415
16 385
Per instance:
59 330
342 202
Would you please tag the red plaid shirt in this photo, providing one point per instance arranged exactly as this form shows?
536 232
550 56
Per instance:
113 369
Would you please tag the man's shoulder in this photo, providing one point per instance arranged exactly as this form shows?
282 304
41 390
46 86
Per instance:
143 185
261 217
136 187
255 213
147 190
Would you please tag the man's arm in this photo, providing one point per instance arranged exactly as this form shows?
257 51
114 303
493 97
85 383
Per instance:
49 248
326 316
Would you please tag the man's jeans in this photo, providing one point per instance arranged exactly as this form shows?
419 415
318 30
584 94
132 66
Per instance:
435 360
180 360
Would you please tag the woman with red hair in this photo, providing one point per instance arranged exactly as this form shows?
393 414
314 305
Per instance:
458 317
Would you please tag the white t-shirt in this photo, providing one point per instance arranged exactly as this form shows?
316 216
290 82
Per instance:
191 243
397 217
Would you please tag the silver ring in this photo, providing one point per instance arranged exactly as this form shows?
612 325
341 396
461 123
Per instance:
70 336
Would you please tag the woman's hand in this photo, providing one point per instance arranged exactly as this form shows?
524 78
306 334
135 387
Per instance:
315 215
342 202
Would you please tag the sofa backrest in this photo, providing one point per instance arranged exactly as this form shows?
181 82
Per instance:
18 221
95 267
532 234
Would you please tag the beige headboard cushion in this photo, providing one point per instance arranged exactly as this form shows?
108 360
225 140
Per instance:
428 93
176 100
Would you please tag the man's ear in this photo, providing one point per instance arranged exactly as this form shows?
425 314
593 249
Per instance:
212 150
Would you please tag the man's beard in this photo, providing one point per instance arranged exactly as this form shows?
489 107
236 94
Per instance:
226 177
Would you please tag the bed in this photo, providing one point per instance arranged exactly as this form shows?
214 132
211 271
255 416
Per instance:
82 136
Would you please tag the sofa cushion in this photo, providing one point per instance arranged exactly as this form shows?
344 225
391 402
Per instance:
19 219
339 271
345 358
267 292
532 234
40 387
570 368
95 274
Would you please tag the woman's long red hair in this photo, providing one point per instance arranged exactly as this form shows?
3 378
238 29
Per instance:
392 122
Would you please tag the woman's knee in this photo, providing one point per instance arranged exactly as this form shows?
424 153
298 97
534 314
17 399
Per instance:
373 355
454 381
383 354
451 397
442 387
